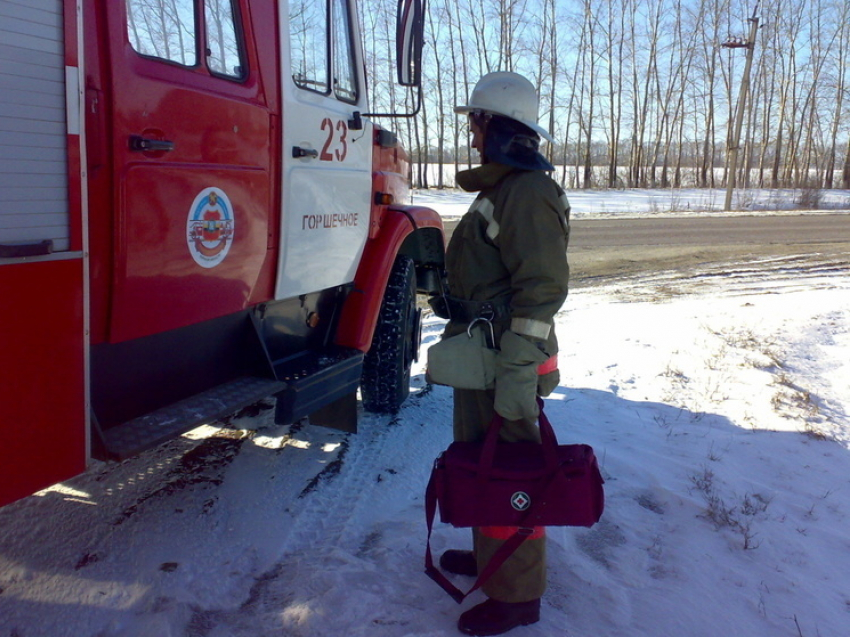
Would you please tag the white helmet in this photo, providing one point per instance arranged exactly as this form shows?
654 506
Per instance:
507 94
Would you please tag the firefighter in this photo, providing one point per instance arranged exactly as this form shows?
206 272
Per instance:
506 263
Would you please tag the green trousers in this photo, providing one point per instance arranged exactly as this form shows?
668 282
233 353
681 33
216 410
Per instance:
522 577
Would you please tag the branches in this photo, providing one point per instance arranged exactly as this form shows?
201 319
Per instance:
636 85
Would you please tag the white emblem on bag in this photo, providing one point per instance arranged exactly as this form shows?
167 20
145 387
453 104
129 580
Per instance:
520 501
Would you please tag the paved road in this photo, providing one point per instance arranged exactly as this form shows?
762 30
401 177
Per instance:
711 231
601 250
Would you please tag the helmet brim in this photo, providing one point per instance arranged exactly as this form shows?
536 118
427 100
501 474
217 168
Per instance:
468 108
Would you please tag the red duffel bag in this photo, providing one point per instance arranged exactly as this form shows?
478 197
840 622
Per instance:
517 484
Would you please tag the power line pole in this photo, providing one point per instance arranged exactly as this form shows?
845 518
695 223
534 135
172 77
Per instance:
735 138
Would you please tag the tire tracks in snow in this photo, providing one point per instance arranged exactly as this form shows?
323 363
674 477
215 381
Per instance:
344 536
771 275
340 491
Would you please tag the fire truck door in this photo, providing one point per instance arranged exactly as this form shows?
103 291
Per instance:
191 158
327 154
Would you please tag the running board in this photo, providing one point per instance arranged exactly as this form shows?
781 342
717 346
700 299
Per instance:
150 430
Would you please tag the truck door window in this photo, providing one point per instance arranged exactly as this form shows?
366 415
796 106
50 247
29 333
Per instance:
345 79
224 56
319 35
164 30
308 36
169 31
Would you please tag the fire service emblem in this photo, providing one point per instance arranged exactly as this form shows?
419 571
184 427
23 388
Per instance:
210 227
520 501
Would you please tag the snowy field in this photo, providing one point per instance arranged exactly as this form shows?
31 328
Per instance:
718 404
677 202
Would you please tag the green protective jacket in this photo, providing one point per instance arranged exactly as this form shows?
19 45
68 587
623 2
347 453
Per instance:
511 246
513 243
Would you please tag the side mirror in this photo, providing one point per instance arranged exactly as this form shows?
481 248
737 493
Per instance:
409 41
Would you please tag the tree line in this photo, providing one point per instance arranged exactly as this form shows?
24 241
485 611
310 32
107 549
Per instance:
636 93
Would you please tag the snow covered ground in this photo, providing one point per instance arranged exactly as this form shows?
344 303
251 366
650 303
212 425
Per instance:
718 403
680 202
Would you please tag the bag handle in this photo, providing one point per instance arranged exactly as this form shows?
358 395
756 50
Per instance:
548 440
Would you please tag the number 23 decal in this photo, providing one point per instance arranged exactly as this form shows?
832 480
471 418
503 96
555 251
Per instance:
335 141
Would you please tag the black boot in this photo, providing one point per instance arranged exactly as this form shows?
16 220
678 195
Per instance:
494 617
459 562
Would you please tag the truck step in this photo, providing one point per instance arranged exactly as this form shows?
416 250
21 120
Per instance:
150 430
315 380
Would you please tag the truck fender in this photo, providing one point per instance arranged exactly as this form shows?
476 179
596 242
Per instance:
404 230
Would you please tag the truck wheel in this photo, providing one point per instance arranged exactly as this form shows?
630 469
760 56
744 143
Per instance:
385 382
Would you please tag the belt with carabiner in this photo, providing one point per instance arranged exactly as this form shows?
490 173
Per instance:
463 311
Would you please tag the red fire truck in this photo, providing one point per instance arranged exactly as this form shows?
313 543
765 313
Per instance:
197 212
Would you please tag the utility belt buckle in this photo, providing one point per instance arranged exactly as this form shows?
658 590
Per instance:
486 312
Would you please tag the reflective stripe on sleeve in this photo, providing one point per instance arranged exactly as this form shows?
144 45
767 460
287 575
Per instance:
549 366
486 208
531 327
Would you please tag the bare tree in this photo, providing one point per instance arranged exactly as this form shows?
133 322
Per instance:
614 31
587 107
437 41
639 87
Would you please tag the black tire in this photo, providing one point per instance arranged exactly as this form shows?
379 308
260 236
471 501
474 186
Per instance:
385 381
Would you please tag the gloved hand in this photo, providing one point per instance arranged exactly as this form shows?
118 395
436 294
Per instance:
516 377
547 383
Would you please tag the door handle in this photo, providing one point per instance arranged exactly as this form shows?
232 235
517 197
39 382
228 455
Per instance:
156 145
298 152
26 250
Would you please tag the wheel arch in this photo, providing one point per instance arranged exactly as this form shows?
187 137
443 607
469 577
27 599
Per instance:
413 231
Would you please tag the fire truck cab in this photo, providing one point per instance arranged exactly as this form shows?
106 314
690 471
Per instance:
197 212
